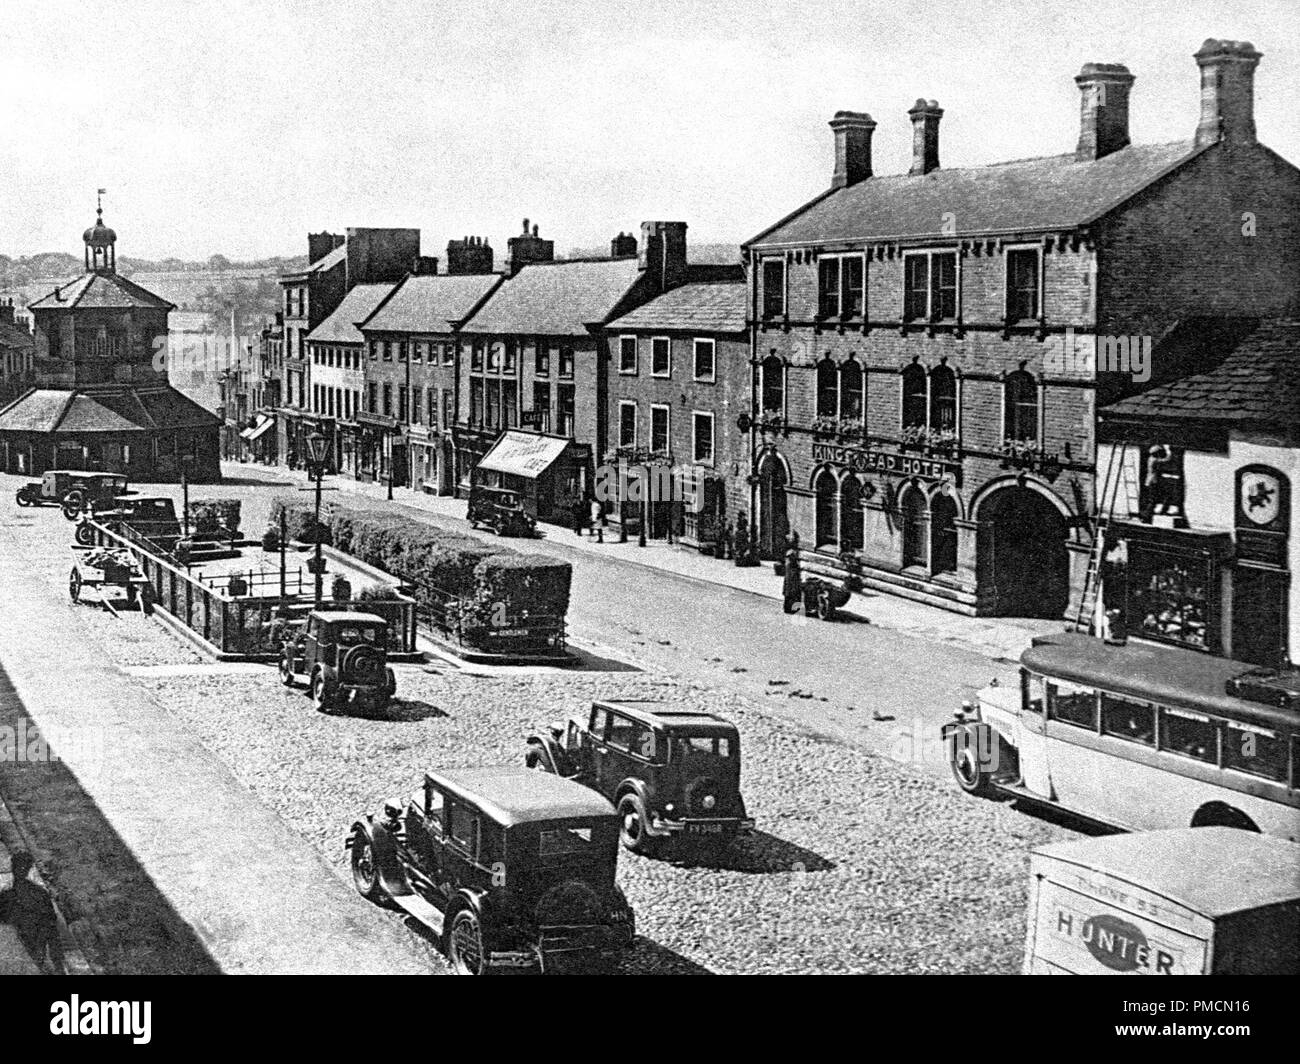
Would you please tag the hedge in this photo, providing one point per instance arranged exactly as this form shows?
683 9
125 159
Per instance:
215 517
431 559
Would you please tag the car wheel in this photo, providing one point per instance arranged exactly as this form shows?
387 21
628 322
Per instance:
465 944
632 822
72 504
22 499
365 876
964 759
286 672
320 692
85 535
74 586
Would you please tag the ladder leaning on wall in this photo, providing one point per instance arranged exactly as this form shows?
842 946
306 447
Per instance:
1117 478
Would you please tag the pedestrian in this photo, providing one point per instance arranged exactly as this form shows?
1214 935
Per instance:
27 906
597 514
579 514
792 582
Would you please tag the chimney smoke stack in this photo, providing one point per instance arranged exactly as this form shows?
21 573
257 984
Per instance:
925 115
1227 92
1103 115
853 131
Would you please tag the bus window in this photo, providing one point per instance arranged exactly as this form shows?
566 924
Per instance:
1072 705
1031 691
1254 750
1189 734
1135 721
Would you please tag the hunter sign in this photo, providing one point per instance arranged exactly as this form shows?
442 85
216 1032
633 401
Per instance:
860 460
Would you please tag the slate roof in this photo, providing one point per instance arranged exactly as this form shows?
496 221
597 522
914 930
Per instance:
702 306
1258 382
557 298
1029 195
326 262
341 326
15 336
428 303
101 290
128 410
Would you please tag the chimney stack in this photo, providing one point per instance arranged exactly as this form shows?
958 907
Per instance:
321 244
663 253
853 131
1103 115
622 246
424 265
471 254
1227 92
527 248
925 115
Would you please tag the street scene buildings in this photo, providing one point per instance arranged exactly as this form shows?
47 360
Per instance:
542 541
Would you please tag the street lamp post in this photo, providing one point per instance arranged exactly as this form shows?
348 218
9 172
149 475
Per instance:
186 461
316 455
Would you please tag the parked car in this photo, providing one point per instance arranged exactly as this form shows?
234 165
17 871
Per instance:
71 489
150 515
501 510
510 868
669 771
343 657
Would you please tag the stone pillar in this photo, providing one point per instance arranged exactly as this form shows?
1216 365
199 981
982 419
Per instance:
967 575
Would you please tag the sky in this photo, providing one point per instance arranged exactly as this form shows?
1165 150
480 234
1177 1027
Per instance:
241 125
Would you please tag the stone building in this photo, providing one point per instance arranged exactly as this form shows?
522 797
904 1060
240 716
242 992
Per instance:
100 397
679 384
16 351
929 348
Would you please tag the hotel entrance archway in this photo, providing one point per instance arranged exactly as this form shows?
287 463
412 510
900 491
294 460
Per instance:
1026 559
773 521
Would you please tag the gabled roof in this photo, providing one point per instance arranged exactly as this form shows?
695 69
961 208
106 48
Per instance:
119 410
556 298
103 290
431 303
700 306
1258 382
341 326
1029 195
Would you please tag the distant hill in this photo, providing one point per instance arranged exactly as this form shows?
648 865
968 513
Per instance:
46 269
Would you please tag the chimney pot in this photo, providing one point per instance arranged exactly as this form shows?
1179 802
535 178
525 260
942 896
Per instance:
1227 92
852 131
925 115
1103 109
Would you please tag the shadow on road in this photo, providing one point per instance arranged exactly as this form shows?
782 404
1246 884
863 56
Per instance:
758 853
588 661
1062 818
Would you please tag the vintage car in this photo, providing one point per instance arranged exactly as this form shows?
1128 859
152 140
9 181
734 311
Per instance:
500 510
343 656
150 515
510 868
670 771
71 489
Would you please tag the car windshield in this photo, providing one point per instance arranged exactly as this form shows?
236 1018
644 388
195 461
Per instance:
693 747
349 635
569 838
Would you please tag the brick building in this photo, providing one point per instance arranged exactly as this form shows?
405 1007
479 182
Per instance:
678 384
17 349
536 352
337 263
336 356
410 401
1204 537
100 397
926 344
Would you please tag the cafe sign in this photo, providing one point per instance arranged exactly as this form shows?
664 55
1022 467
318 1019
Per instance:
862 460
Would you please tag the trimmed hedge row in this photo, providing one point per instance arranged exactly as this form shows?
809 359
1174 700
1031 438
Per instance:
430 559
215 517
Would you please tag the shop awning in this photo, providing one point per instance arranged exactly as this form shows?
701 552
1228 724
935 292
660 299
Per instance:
523 454
259 431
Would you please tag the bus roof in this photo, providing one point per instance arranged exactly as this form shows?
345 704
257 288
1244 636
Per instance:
1212 871
1174 677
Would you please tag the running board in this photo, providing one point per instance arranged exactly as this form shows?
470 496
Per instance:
416 906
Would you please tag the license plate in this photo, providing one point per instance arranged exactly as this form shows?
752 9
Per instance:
704 829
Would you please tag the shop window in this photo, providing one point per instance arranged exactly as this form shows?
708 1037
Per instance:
1167 597
828 389
826 532
773 385
1255 751
851 388
1189 734
773 288
1071 704
915 397
943 399
1124 718
1020 407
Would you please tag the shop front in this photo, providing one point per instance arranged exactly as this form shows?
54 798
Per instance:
549 473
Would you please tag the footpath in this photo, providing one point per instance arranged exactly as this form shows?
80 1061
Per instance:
153 850
994 637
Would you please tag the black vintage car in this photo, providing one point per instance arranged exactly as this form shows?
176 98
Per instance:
71 489
510 868
153 516
343 656
670 771
501 510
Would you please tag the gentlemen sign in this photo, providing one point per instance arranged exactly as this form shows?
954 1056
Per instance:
893 465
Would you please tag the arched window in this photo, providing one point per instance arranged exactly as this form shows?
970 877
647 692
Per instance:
851 392
913 508
826 489
773 385
943 399
943 534
828 389
914 397
1021 406
850 513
